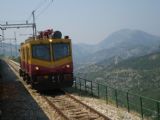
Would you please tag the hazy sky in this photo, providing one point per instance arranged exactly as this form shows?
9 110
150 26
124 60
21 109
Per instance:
85 21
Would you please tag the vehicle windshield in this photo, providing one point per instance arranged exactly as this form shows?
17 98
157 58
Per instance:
60 50
41 52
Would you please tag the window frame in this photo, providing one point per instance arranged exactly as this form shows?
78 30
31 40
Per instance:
50 57
53 53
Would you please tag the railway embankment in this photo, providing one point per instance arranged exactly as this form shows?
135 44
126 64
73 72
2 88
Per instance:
15 101
20 102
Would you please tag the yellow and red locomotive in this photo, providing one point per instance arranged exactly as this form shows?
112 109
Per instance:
47 60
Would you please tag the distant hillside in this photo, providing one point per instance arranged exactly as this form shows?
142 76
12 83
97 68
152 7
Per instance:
124 44
139 74
81 51
133 38
9 49
147 62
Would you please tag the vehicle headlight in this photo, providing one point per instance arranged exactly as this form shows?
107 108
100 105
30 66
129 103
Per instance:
37 68
67 66
50 40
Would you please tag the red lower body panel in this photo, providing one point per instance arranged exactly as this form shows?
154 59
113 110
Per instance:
33 69
56 77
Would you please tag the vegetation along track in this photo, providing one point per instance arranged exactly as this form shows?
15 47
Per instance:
67 106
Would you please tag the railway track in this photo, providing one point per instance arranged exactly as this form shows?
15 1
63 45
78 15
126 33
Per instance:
73 109
67 106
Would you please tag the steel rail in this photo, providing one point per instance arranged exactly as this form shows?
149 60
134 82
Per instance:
56 108
88 107
69 96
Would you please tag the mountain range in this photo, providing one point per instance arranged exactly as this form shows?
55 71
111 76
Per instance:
118 46
126 60
140 75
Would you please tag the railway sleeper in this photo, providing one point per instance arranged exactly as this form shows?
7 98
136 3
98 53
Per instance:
80 116
74 110
68 108
81 112
94 116
91 116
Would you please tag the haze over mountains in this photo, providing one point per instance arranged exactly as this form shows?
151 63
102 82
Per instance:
119 45
9 49
127 60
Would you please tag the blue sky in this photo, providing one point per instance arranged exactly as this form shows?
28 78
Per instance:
85 21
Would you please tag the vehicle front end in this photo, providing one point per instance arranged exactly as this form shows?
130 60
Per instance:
51 64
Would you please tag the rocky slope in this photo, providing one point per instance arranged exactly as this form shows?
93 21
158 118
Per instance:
122 44
139 75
